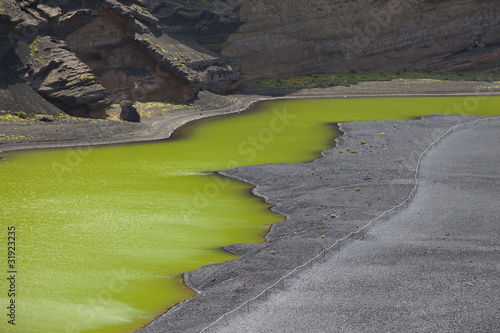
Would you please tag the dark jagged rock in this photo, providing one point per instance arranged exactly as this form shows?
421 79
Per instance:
209 23
73 20
171 49
16 95
201 68
59 76
129 112
80 57
125 69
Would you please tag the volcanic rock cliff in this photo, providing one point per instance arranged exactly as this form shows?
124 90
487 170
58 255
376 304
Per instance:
281 38
82 55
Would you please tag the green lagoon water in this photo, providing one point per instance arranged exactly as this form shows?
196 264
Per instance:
103 234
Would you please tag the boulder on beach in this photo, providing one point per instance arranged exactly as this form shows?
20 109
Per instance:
129 112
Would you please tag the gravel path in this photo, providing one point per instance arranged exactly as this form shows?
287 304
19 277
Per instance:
434 267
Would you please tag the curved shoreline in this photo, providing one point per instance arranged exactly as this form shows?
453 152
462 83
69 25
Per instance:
429 231
212 298
161 128
199 278
225 286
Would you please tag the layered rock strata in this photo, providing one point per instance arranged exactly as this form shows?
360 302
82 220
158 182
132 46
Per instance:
81 56
171 49
285 38
59 76
207 22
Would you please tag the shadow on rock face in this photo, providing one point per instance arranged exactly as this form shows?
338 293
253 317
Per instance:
16 95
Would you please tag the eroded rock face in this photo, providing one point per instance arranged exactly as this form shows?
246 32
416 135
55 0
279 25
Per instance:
171 49
59 76
282 38
203 69
16 95
121 66
80 55
208 22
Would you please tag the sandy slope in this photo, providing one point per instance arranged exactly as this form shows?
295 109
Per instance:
434 267
307 194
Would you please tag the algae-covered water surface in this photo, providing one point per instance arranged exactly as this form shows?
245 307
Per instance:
103 234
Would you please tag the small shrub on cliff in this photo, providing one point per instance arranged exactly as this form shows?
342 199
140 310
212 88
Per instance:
22 115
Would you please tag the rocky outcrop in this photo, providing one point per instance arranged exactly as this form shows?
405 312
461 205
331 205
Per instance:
171 49
207 22
59 76
82 56
204 70
283 38
17 96
129 112
121 65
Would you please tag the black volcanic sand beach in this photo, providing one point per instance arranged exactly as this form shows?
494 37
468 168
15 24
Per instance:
318 199
434 267
321 205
